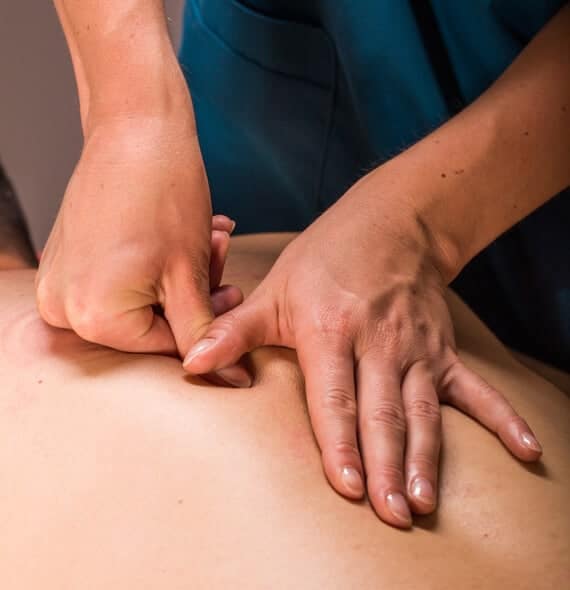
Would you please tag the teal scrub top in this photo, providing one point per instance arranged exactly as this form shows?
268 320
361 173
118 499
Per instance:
297 99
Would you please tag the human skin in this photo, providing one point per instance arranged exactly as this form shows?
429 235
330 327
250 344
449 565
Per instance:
138 198
151 218
360 293
121 472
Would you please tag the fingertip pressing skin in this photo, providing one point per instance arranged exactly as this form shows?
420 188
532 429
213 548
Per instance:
228 338
352 482
195 363
195 360
421 496
473 395
333 410
344 472
391 506
423 419
517 436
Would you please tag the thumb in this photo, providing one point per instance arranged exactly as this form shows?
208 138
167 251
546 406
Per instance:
187 305
230 336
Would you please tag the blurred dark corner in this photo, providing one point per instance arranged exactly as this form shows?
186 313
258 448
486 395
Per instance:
40 135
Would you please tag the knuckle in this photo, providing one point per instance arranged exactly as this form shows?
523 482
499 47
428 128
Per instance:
334 321
390 472
87 319
448 376
423 409
424 463
340 402
88 329
386 415
46 302
385 477
388 338
389 334
345 447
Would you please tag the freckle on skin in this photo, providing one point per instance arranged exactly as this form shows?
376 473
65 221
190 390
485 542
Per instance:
180 500
563 109
443 175
40 381
525 133
460 171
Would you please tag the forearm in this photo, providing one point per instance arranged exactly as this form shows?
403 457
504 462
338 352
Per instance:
124 62
500 159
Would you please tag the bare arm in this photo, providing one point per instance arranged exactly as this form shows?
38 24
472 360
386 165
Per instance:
503 157
123 60
368 318
133 233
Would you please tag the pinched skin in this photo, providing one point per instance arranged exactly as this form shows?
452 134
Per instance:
118 471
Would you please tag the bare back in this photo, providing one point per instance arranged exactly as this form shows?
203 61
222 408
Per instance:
118 471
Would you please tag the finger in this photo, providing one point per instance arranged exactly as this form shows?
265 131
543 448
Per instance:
186 304
382 427
423 420
230 336
49 303
139 330
223 223
328 368
235 376
220 249
468 392
225 298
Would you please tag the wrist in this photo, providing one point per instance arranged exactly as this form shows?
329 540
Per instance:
446 182
149 95
415 209
143 139
442 250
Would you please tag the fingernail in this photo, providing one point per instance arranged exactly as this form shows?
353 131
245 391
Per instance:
399 508
236 376
352 480
198 348
422 490
233 226
530 442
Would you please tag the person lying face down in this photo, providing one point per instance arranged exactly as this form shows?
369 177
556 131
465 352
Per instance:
120 471
16 250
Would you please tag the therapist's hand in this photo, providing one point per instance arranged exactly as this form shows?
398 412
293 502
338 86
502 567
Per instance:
134 234
360 296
